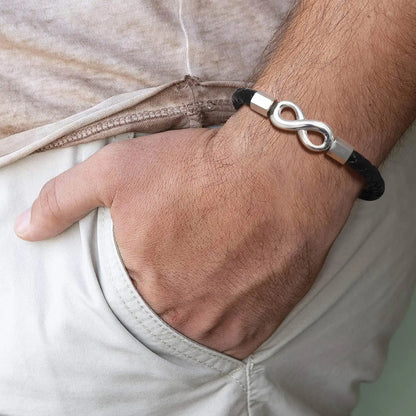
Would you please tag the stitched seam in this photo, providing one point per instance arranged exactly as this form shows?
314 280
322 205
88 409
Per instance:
184 109
114 262
166 330
249 367
169 346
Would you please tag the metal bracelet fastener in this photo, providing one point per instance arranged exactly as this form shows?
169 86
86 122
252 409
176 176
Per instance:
339 150
335 147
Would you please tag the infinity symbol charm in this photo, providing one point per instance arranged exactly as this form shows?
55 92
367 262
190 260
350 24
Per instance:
301 125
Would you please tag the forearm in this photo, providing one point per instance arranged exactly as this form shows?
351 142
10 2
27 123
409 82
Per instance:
349 64
354 64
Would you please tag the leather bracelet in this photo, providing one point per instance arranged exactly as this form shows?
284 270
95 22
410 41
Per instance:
336 148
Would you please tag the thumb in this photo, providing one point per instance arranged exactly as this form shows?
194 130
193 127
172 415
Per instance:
64 200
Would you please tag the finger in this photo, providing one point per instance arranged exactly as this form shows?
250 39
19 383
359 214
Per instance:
66 199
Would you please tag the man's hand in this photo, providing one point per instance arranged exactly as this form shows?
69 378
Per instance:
217 243
223 233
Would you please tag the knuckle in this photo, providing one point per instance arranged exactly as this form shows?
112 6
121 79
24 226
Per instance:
111 155
106 160
111 162
48 199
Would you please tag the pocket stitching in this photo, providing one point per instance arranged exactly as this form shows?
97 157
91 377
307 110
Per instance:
164 329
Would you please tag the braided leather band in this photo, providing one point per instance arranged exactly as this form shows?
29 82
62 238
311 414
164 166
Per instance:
336 148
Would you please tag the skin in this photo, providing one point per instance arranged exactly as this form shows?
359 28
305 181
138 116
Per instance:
230 227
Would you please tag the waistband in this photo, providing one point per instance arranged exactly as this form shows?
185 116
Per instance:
190 102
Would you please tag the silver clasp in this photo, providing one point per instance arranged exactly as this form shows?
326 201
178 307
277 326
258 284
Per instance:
301 125
336 148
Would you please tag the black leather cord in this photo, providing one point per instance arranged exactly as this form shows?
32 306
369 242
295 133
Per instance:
242 96
375 183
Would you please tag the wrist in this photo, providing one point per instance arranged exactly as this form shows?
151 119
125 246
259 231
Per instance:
251 137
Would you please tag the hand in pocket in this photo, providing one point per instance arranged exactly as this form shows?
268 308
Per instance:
220 241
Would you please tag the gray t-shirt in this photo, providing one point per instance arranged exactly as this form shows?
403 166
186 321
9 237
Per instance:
61 57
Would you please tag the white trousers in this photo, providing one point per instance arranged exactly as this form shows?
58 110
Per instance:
77 339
